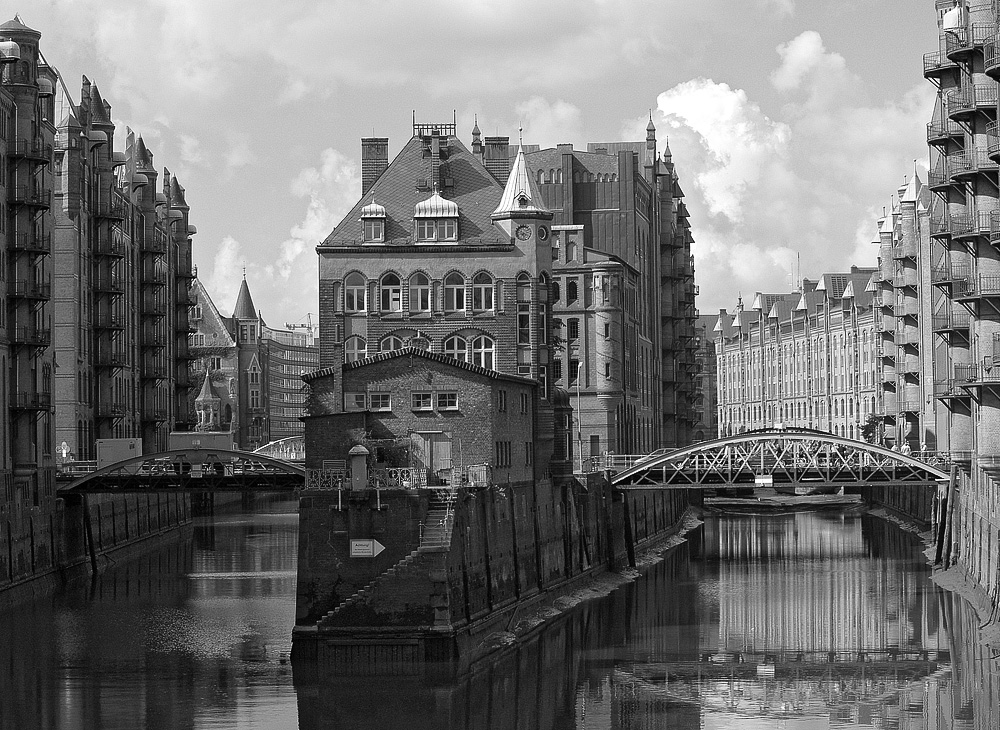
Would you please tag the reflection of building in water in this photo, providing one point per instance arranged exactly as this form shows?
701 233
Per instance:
802 583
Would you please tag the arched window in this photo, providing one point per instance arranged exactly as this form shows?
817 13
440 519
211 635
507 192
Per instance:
482 352
482 293
454 293
455 347
571 291
555 290
391 294
420 293
354 349
390 343
354 293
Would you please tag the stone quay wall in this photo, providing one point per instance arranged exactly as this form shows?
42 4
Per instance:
41 548
433 594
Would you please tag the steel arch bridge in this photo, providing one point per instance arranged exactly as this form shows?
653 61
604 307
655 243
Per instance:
191 470
792 457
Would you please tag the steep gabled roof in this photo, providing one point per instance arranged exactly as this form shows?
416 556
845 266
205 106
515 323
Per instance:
474 190
213 324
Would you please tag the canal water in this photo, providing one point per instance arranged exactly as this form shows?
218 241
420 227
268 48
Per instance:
807 620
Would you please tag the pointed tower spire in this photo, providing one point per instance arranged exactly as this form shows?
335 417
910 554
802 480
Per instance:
244 308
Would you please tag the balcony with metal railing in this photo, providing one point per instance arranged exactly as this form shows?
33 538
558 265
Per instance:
952 322
154 277
907 307
972 162
975 375
977 286
31 336
33 242
155 242
971 98
937 64
112 357
109 321
34 195
28 400
115 208
971 225
153 369
154 414
108 244
36 150
29 289
943 131
109 284
960 42
948 389
991 58
110 410
939 178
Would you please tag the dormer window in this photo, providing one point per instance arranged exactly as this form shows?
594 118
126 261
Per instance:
373 222
435 219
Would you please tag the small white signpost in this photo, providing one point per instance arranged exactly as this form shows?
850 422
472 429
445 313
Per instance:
366 548
763 480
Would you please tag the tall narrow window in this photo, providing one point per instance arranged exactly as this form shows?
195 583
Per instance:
454 293
390 343
420 293
523 310
482 293
354 293
391 294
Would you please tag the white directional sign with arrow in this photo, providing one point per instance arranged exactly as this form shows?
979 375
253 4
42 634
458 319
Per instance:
366 548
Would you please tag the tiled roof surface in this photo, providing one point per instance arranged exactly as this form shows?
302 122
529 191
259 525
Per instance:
475 190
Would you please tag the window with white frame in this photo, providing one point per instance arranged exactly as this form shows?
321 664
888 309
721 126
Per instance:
390 343
454 293
482 293
447 401
422 400
354 293
436 229
482 352
456 347
391 294
379 401
374 229
354 349
420 293
355 401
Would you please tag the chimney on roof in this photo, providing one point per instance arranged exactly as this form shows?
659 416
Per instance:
496 157
374 160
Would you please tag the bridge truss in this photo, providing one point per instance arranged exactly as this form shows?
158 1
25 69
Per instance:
796 458
192 470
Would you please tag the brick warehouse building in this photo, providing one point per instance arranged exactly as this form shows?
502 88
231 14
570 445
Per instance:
621 300
253 371
94 313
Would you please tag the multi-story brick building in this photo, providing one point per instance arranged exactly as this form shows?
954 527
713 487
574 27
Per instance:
253 371
624 293
807 358
27 176
913 319
621 303
122 265
706 391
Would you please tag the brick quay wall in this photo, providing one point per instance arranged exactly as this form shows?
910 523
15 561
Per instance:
446 592
42 548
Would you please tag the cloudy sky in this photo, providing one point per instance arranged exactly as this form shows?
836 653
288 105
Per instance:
792 121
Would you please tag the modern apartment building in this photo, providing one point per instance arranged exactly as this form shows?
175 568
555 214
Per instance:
807 358
247 375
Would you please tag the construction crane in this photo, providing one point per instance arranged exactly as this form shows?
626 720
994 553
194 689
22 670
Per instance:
308 326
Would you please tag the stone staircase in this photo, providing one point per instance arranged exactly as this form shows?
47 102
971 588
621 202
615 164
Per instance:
435 536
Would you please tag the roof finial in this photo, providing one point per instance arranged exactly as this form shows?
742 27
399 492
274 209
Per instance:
244 271
520 130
